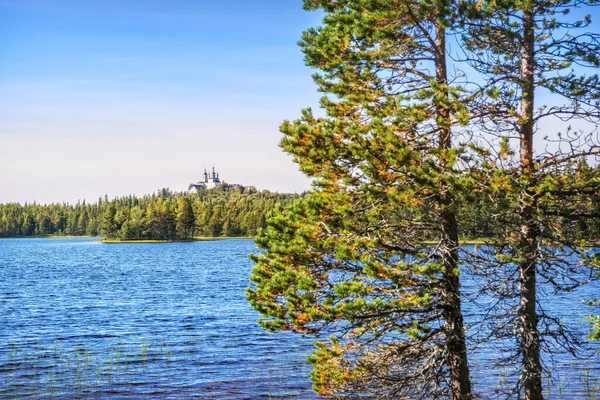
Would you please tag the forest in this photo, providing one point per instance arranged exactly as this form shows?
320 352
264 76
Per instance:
222 212
165 215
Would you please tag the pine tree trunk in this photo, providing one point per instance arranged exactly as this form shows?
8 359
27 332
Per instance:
530 342
456 348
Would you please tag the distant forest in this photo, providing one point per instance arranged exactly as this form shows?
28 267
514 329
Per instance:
227 211
165 215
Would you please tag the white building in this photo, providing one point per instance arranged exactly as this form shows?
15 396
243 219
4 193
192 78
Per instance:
210 180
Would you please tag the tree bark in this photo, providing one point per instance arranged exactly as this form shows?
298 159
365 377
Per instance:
456 348
529 340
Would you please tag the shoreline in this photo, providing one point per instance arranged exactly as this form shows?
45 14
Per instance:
194 239
467 242
52 237
101 239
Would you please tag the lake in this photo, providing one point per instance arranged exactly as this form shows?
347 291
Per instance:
166 320
80 318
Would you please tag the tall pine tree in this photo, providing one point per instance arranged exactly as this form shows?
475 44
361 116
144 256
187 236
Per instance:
185 217
529 49
371 257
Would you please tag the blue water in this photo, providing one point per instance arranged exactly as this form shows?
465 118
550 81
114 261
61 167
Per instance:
168 320
83 319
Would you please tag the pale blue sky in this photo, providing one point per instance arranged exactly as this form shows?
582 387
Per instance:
129 96
116 97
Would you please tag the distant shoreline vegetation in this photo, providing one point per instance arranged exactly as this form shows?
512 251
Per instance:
229 211
164 216
193 239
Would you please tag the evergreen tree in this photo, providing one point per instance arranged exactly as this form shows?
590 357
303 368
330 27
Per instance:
82 223
156 219
28 225
215 223
390 172
226 229
525 48
109 226
185 217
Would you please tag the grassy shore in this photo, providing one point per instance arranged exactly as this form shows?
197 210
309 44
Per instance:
194 239
103 240
209 238
50 237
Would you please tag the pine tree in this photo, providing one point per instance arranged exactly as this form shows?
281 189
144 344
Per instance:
109 226
527 48
185 217
355 258
82 223
215 223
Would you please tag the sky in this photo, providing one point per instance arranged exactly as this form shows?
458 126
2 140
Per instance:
123 97
119 97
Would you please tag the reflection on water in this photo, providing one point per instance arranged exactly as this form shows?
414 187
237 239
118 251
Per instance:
169 321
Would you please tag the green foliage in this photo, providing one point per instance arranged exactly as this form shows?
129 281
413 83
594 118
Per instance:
403 159
162 216
319 273
547 197
370 255
185 217
31 220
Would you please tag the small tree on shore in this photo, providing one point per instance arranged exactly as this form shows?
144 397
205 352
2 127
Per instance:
185 218
109 225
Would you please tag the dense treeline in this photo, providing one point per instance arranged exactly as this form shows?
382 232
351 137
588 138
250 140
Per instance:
480 220
55 219
225 211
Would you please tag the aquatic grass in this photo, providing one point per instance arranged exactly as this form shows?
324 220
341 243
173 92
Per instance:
548 385
61 371
144 353
78 370
591 383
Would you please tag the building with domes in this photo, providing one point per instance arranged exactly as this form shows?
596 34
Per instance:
210 180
